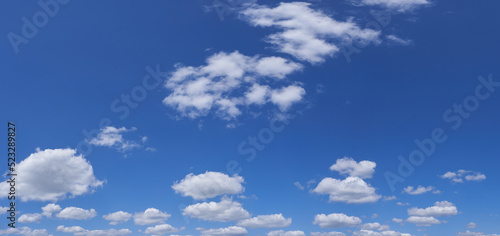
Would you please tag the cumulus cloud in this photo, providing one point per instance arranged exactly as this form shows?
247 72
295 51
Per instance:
117 217
232 81
327 234
266 221
460 175
50 208
348 166
24 231
375 226
79 231
349 190
399 5
305 33
396 220
110 136
209 185
229 231
76 213
53 174
223 211
286 233
423 220
30 218
420 190
162 229
336 220
443 208
150 216
364 232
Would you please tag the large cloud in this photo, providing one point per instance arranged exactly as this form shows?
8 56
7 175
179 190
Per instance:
53 174
209 185
266 221
305 33
336 220
223 211
349 190
348 166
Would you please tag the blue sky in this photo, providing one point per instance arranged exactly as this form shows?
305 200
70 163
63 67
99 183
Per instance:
353 117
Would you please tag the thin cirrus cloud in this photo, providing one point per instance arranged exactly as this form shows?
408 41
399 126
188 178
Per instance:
208 185
54 174
230 82
224 211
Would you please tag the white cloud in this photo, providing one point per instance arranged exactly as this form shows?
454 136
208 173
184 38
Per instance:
389 198
423 220
305 33
50 208
470 233
287 96
299 186
383 233
399 5
286 233
396 220
79 231
266 221
349 190
348 166
117 217
52 174
76 213
375 226
420 190
150 216
443 208
25 231
30 218
228 82
113 137
336 220
460 175
229 231
162 229
327 234
223 211
398 40
3 210
402 203
209 185
471 225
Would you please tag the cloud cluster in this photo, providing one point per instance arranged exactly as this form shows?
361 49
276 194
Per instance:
420 190
110 136
460 175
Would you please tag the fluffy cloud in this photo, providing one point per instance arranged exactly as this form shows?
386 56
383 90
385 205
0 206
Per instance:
117 217
460 175
470 233
348 166
305 33
442 208
420 190
396 220
30 218
399 5
223 211
110 136
150 216
286 233
25 231
50 208
423 220
229 231
327 234
383 233
79 231
349 190
230 81
76 213
375 226
52 174
336 220
266 221
209 185
162 229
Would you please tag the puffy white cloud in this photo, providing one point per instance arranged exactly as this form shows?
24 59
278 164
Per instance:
25 231
423 220
230 81
383 233
266 221
117 217
229 231
76 213
209 185
150 216
460 175
327 234
349 190
3 210
348 166
420 190
286 233
443 208
375 226
223 211
336 220
79 231
53 174
399 5
110 136
50 208
162 229
30 218
305 33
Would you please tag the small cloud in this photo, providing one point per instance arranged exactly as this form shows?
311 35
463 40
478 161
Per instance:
461 175
397 40
299 186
